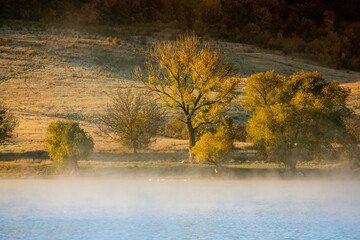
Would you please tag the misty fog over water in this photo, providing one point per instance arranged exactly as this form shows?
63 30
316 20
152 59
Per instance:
179 209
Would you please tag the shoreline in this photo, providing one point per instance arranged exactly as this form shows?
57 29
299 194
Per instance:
190 172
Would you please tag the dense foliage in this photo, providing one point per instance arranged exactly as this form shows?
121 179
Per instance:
67 143
7 123
324 30
215 145
189 77
132 119
297 118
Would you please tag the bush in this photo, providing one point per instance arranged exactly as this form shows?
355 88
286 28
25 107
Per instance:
213 147
7 123
67 143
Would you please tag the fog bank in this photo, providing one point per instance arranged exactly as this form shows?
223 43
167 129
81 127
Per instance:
183 208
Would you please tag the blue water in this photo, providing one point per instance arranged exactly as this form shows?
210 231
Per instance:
179 209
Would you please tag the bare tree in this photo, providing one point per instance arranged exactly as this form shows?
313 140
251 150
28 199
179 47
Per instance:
132 119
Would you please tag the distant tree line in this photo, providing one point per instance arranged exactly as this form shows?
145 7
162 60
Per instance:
327 31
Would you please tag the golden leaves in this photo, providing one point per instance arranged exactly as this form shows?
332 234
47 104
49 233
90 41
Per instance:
189 76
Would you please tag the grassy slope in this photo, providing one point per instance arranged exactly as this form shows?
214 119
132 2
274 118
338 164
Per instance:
50 73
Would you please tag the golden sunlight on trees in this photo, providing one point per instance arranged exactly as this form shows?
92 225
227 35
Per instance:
352 149
188 76
297 118
132 119
215 145
68 143
7 123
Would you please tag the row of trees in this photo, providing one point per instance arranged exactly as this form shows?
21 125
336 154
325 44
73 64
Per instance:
321 29
301 117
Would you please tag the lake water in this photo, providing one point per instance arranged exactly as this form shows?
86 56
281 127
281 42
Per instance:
179 209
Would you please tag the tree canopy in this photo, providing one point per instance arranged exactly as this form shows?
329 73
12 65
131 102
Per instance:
132 119
190 77
301 117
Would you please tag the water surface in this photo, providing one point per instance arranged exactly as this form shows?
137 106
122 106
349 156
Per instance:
179 209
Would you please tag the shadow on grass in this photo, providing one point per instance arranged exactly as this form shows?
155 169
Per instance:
35 155
147 156
102 156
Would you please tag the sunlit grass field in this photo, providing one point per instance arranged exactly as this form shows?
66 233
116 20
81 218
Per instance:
50 73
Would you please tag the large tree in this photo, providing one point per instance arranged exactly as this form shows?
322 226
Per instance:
132 119
7 123
297 118
188 76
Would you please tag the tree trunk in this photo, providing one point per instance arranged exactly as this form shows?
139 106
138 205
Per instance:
72 168
218 167
293 166
290 164
191 133
134 148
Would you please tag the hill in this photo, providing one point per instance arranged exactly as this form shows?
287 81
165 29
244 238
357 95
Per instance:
47 73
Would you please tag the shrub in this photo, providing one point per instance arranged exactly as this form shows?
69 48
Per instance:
67 143
213 147
7 123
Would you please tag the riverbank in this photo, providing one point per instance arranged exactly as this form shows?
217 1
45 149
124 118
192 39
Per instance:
174 168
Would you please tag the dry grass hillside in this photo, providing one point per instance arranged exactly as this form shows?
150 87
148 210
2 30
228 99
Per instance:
49 73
